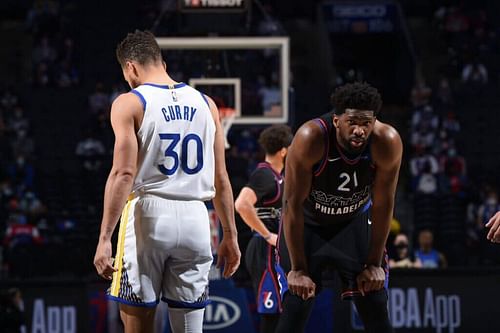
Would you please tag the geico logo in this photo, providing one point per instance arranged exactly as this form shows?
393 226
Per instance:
220 313
360 11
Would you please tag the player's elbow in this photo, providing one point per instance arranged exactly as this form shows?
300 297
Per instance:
123 174
241 206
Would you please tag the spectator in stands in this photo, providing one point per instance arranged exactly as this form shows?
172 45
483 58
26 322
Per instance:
427 182
444 94
98 100
421 93
8 100
19 232
403 257
429 257
22 172
17 121
91 151
44 52
424 135
22 144
12 317
31 206
42 75
270 95
450 124
66 75
424 168
488 208
475 74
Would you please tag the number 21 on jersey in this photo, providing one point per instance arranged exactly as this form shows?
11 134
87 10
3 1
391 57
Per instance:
345 179
177 157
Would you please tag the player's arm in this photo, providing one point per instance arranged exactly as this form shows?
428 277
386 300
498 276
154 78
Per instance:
245 204
387 153
121 177
494 225
306 150
228 252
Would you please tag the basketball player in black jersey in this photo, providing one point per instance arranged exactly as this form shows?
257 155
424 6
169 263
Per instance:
341 176
259 205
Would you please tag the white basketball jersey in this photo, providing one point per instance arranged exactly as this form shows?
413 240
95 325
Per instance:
176 143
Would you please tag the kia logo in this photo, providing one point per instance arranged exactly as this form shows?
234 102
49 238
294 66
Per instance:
220 313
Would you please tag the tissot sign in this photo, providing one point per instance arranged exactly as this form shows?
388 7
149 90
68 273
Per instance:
213 5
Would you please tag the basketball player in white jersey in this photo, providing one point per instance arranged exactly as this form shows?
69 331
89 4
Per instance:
168 159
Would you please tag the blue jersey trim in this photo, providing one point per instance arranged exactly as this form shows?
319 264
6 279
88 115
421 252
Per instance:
138 94
140 305
186 305
367 206
204 98
165 86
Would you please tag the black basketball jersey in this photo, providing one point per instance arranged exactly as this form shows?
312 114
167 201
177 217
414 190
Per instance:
341 185
268 187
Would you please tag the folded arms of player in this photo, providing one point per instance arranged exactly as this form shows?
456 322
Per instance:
306 150
228 253
125 113
387 150
245 206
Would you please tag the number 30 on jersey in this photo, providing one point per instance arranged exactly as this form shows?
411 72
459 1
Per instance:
171 152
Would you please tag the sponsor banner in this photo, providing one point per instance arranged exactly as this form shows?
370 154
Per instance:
53 307
361 17
221 6
227 312
433 302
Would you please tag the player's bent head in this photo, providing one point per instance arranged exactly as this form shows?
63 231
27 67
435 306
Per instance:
356 96
138 46
356 108
274 138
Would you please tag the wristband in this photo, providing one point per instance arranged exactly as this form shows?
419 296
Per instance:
268 236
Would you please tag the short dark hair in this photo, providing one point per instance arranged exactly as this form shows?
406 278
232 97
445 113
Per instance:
275 137
358 95
140 46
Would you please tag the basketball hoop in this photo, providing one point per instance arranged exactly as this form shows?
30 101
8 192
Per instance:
226 116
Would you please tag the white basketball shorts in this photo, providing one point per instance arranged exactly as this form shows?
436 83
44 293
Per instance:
163 253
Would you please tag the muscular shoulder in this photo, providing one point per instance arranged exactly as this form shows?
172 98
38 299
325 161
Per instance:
387 146
309 143
127 103
125 107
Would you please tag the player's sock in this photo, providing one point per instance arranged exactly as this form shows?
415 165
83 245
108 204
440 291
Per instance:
372 309
186 320
295 314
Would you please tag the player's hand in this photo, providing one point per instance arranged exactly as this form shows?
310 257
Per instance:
372 278
273 238
494 225
228 255
103 261
300 284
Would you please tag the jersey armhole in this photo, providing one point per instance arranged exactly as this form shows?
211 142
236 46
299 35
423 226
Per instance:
205 99
276 182
321 165
143 100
